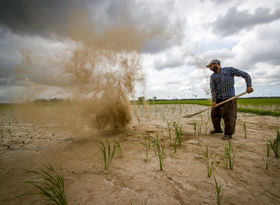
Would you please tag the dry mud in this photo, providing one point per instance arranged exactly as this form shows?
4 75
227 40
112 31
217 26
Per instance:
129 180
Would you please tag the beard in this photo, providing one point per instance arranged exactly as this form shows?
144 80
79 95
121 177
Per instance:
215 69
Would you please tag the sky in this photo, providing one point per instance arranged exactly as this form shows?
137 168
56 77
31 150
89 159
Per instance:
240 33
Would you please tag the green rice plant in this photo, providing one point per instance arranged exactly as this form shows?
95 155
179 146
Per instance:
209 161
159 151
194 126
207 122
169 133
275 145
245 130
1 132
147 143
198 129
175 144
49 185
108 153
218 191
229 155
178 132
119 148
267 160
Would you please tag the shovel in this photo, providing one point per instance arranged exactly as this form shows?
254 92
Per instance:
191 115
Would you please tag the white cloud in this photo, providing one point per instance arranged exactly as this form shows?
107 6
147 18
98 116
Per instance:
174 62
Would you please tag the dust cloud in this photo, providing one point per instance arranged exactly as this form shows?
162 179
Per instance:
98 72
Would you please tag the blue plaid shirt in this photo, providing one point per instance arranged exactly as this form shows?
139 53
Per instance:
222 84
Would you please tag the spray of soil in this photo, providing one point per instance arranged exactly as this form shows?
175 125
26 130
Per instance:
98 72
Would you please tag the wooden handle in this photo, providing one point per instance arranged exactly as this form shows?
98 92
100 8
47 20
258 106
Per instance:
191 115
237 96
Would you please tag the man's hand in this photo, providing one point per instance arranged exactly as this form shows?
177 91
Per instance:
214 104
249 89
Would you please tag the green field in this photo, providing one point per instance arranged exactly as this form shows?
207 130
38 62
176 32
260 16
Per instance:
260 106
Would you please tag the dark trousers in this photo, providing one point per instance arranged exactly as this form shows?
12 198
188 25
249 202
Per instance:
228 112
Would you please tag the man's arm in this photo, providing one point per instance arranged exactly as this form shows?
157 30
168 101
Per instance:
246 76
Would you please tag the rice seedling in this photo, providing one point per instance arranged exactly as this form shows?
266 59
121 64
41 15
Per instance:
209 161
194 126
159 151
119 148
267 160
1 132
275 145
218 192
178 132
49 185
229 155
245 130
206 122
175 144
169 133
198 130
108 153
147 143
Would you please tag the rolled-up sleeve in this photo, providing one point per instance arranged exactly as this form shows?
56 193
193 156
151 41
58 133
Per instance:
246 76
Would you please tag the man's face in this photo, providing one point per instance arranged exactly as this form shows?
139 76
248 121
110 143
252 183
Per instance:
214 67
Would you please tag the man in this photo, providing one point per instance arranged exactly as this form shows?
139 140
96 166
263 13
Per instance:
222 88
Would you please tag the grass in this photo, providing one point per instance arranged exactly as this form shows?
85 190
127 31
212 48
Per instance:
108 153
209 161
6 105
49 185
159 150
229 155
218 191
275 145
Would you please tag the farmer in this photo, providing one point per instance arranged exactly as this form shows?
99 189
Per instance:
222 88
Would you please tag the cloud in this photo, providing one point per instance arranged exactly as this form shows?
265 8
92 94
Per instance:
258 46
169 59
37 17
221 54
55 19
234 21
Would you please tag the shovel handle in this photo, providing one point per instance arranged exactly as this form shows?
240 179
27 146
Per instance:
188 116
230 99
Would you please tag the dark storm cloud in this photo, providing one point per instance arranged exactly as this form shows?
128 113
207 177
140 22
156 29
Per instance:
53 19
235 20
156 44
40 17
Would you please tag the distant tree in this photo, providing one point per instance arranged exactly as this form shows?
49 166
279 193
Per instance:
141 99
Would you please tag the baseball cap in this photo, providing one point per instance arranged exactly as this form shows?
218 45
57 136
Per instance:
212 62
